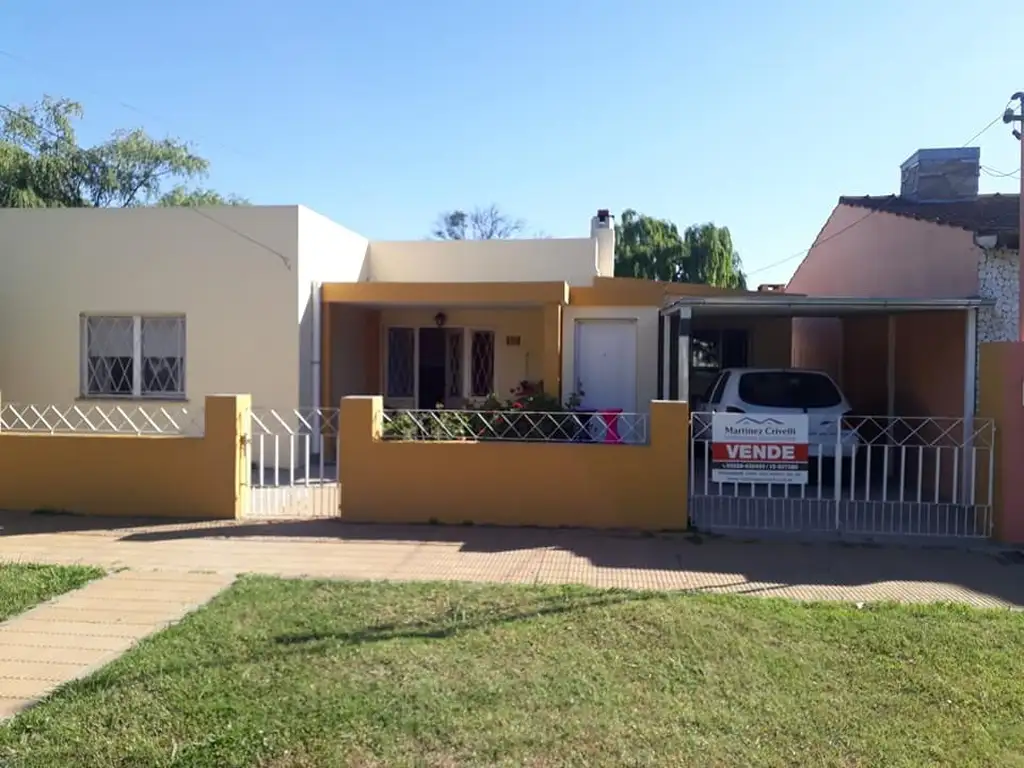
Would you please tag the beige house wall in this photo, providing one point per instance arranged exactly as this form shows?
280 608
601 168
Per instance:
572 260
232 271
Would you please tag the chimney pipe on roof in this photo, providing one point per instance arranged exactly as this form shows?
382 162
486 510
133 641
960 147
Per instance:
602 229
941 175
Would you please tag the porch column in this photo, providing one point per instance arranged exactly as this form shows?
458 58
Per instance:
664 338
679 355
551 367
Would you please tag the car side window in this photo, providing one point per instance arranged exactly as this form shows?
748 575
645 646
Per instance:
717 389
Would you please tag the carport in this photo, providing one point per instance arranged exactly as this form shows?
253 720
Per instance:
908 368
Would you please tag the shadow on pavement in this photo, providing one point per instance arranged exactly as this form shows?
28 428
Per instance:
992 572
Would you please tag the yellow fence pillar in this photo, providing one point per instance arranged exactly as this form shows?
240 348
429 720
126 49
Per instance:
227 434
670 455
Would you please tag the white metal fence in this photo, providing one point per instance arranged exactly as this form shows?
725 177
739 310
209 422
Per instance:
899 476
133 419
293 469
516 426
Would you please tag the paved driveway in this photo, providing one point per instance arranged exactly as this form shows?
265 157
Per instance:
333 549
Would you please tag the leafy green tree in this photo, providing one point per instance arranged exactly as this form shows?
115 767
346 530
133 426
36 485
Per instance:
654 249
182 196
42 164
649 248
712 260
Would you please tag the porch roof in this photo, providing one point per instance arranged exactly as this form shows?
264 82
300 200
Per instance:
505 294
797 305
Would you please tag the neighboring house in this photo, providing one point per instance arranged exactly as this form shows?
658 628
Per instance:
939 238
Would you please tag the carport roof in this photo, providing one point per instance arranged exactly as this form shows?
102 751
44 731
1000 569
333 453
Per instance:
798 305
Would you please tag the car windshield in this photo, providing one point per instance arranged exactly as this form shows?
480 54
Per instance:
789 389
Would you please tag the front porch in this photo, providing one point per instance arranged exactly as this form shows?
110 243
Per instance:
428 345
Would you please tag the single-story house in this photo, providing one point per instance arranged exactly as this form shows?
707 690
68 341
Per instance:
160 305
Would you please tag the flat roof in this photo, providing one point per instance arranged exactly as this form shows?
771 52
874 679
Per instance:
797 305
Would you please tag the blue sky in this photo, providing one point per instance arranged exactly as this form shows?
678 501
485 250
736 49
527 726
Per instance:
755 115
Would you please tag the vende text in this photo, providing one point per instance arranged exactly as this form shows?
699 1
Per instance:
777 452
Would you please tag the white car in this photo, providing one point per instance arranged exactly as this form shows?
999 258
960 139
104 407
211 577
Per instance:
783 391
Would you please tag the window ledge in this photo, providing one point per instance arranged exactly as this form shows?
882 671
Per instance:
181 400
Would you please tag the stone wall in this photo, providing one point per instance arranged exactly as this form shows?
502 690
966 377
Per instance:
999 279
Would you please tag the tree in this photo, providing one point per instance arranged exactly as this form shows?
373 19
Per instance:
653 249
42 164
489 223
649 248
712 260
182 196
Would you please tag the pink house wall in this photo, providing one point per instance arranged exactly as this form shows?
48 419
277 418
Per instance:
860 253
888 255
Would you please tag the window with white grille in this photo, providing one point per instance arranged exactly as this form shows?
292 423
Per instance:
481 362
133 356
401 362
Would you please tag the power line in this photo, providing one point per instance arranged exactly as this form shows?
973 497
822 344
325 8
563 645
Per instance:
1001 174
872 212
84 152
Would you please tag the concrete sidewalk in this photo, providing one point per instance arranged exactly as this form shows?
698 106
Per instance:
334 549
75 634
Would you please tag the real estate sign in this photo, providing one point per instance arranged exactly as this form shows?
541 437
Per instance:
759 448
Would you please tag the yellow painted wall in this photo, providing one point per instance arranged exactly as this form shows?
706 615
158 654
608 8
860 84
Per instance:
132 475
512 364
511 483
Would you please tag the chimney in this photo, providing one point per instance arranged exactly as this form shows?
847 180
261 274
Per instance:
941 175
602 229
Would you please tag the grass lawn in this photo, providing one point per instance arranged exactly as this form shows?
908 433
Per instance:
292 673
22 586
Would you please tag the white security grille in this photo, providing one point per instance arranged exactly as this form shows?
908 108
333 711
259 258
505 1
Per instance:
454 367
482 364
133 356
130 420
515 426
897 476
401 343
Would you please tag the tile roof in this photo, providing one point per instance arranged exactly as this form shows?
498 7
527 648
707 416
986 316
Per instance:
985 214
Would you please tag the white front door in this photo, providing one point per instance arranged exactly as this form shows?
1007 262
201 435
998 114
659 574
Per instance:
606 364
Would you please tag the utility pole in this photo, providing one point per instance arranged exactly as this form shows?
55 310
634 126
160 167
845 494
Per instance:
1011 116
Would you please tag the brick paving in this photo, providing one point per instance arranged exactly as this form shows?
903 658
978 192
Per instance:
334 549
174 568
77 633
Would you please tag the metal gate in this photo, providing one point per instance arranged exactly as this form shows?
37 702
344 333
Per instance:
292 464
900 477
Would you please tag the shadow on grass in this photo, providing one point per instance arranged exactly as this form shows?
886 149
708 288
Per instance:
446 627
283 646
